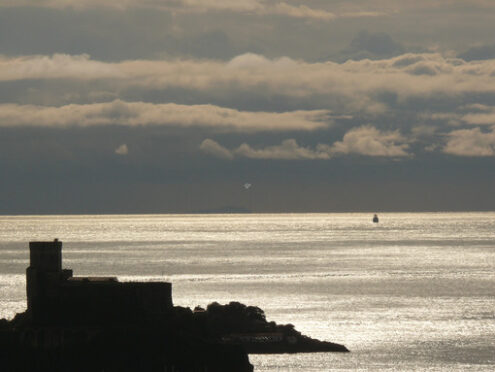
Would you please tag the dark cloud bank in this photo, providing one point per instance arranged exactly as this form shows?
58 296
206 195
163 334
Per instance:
78 171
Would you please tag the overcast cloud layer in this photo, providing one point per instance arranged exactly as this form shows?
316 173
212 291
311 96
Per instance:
167 99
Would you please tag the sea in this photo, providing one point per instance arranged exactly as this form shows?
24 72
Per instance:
414 292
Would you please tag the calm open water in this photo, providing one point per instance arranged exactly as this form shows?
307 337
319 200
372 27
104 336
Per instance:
414 292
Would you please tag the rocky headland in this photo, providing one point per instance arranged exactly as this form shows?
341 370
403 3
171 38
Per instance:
96 324
218 338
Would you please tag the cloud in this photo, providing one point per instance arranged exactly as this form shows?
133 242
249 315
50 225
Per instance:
140 113
257 7
364 13
57 66
369 141
288 150
453 119
485 117
470 142
301 11
249 4
211 147
471 114
442 116
366 141
198 5
439 90
349 86
477 107
122 150
247 7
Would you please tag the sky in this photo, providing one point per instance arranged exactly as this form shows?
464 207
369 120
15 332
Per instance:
127 106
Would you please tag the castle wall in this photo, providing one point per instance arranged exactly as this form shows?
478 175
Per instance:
111 301
55 296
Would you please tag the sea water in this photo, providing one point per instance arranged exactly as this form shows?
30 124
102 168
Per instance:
415 292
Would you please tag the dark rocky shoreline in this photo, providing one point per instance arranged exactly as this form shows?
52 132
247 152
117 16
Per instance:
218 338
236 323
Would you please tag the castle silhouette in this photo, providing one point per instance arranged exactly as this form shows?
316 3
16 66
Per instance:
54 294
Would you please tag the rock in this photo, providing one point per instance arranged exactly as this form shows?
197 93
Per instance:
236 323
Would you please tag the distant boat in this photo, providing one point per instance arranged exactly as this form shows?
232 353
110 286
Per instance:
375 219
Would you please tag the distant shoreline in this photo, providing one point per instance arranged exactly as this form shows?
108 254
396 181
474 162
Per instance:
247 212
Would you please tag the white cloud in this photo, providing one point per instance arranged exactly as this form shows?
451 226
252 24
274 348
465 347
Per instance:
369 141
442 116
211 147
287 150
300 11
141 113
122 150
478 107
366 141
486 118
57 66
350 86
353 87
470 142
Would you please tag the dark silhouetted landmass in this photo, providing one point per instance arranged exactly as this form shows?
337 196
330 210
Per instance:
94 324
237 323
161 344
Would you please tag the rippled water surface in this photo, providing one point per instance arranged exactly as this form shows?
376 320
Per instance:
414 292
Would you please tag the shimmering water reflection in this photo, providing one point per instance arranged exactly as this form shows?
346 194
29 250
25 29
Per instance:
414 292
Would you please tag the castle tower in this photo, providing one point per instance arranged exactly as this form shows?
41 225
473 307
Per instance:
54 296
46 256
43 276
